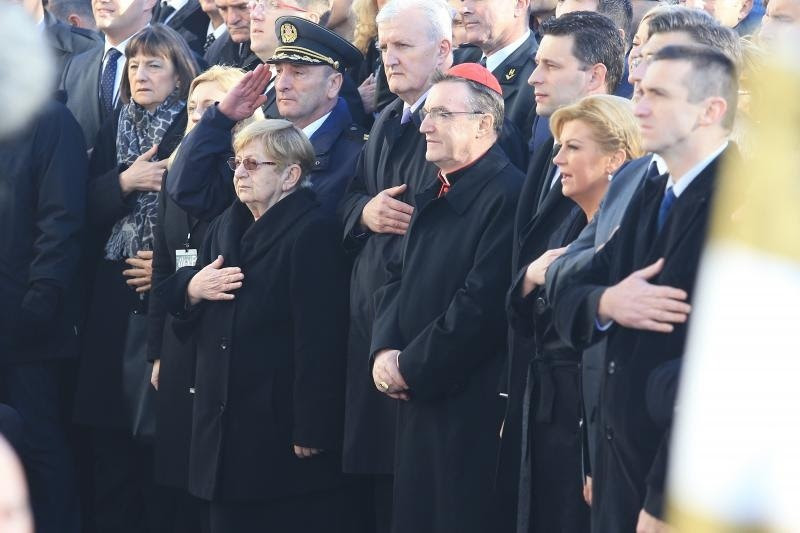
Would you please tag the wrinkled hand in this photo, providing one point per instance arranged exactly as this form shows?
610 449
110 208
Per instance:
650 524
214 282
587 491
384 214
386 371
247 95
534 275
367 92
154 373
637 304
304 453
141 273
143 174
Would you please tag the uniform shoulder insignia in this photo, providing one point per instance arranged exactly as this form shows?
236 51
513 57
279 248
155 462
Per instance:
366 137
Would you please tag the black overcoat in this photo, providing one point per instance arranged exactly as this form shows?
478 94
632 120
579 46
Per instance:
99 395
43 175
176 230
541 436
393 155
444 310
632 444
270 363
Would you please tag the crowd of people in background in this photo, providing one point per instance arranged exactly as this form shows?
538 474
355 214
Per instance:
362 265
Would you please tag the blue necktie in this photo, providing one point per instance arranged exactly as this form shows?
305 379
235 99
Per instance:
666 205
107 80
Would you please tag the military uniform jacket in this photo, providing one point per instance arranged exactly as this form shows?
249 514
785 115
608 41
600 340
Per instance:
513 74
631 443
394 154
270 364
443 308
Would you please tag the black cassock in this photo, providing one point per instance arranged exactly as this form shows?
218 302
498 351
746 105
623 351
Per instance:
542 438
444 309
394 154
629 473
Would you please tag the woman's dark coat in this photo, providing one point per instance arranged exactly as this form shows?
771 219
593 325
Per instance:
444 310
270 363
99 398
176 230
544 404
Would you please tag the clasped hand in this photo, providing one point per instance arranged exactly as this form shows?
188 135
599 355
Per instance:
387 377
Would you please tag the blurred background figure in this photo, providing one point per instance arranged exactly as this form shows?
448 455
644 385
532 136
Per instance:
216 24
15 511
736 14
371 76
76 13
188 18
24 51
781 24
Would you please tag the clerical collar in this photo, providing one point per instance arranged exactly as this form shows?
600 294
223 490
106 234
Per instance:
496 59
450 179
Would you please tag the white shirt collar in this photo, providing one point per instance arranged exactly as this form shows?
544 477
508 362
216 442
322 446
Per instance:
312 128
417 104
121 46
216 32
693 172
660 164
496 59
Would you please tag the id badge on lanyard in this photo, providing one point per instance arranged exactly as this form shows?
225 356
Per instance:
187 256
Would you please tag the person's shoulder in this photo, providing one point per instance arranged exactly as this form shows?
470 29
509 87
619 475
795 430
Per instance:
356 133
84 39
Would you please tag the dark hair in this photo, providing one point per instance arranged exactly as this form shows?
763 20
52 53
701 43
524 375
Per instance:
621 12
701 27
64 8
596 40
481 98
159 40
713 74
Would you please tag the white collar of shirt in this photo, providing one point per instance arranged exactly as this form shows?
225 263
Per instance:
417 104
312 128
661 165
496 59
557 173
216 32
693 172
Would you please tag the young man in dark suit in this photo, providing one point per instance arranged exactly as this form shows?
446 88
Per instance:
636 289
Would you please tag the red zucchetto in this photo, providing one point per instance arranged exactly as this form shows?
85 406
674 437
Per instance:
478 74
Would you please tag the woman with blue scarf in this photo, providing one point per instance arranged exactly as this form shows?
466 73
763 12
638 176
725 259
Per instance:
127 168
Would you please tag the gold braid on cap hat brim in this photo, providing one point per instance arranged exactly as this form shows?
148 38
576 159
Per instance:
298 53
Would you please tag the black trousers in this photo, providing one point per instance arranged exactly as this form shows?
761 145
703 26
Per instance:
35 391
329 512
126 499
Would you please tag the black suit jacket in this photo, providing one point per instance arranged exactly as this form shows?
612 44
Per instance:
66 40
190 22
632 443
226 52
81 82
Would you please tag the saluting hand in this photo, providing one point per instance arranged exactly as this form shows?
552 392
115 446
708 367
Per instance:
214 282
384 214
635 303
247 95
143 174
142 272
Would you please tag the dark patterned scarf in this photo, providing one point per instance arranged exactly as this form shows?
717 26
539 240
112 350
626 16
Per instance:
138 131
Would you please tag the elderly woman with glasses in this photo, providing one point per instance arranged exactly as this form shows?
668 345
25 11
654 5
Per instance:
268 311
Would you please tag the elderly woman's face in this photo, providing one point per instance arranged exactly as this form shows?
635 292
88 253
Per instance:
584 166
261 187
152 79
201 98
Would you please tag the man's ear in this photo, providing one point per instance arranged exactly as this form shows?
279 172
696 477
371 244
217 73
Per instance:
597 80
444 51
293 178
714 112
485 126
335 82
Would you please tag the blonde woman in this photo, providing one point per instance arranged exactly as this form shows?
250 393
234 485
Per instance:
597 136
178 239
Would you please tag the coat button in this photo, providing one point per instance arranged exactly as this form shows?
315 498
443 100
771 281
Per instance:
540 305
223 344
221 407
612 367
609 433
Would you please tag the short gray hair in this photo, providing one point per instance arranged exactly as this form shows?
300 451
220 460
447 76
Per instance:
436 12
481 98
282 141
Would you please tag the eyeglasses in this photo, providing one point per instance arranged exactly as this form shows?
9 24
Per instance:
438 115
274 4
249 164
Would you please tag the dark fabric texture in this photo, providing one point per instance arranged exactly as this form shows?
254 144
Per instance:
270 363
443 308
